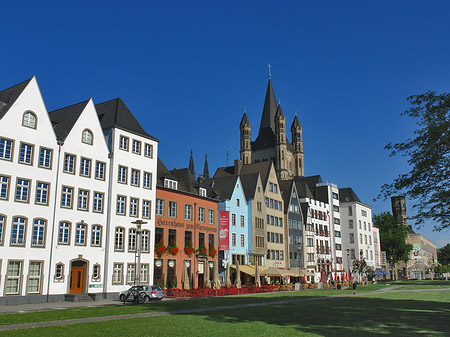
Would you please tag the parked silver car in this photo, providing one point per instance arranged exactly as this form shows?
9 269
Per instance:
144 293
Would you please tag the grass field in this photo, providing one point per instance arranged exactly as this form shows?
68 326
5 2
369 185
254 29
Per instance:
380 313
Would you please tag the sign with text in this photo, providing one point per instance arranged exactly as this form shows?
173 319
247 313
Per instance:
224 230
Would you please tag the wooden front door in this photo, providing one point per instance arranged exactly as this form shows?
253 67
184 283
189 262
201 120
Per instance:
76 279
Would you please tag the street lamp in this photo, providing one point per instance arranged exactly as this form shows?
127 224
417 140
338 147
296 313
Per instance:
137 256
348 260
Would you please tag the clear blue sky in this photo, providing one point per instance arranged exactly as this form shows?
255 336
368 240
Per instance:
187 69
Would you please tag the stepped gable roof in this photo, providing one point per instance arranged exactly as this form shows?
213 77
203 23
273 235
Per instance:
249 183
244 121
186 180
348 195
286 192
296 124
220 188
9 96
303 190
115 113
64 119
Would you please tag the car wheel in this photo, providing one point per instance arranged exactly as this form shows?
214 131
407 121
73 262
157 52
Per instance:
142 297
147 298
122 297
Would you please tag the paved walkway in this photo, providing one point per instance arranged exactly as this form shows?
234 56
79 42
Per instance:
66 305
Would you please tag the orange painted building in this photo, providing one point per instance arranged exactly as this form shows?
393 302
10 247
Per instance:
185 222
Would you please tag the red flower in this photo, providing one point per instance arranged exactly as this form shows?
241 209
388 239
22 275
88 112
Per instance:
212 251
160 248
188 249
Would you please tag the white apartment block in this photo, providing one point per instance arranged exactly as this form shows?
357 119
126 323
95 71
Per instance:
64 228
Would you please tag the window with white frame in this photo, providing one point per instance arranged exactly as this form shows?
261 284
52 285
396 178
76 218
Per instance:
119 238
144 273
96 272
242 221
233 219
83 200
64 233
59 271
172 209
147 180
29 119
18 231
87 137
201 214
145 241
80 234
2 228
134 206
135 177
131 272
211 216
242 240
168 183
233 239
6 146
4 187
100 170
146 209
121 204
13 276
26 154
132 240
96 236
187 212
69 163
159 210
85 167
148 150
45 157
38 235
98 202
136 146
202 192
123 143
117 273
122 176
34 277
22 190
42 192
66 197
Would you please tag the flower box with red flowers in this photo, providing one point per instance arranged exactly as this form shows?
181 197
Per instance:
172 248
202 251
188 249
160 249
212 251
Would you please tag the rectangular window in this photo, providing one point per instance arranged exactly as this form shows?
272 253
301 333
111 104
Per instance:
211 216
201 239
335 196
242 221
233 239
352 238
201 214
134 206
350 223
69 163
83 200
144 273
363 213
4 187
22 190
85 167
42 192
117 273
6 146
132 240
159 234
159 207
96 272
119 239
350 211
187 238
148 152
145 241
123 143
100 170
98 202
80 234
45 158
172 209
172 237
2 229
211 240
13 275
135 177
66 197
238 202
38 235
96 236
147 180
26 154
146 209
233 219
242 240
130 273
136 146
34 277
122 175
64 233
18 231
187 212
121 204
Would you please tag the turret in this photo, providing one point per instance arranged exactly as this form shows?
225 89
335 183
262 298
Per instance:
297 143
246 149
281 144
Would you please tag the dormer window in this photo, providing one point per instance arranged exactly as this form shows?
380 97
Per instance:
170 184
202 192
29 120
87 137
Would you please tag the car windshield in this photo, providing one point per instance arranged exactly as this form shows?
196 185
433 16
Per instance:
156 288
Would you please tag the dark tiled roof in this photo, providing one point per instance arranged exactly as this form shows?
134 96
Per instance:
262 168
322 194
64 119
9 96
296 124
244 121
163 173
115 113
347 195
303 189
186 180
221 188
286 192
249 183
312 181
266 139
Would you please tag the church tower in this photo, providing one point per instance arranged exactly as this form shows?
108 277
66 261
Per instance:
297 143
246 150
281 144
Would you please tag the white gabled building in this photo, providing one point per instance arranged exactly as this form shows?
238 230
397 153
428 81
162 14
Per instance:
72 181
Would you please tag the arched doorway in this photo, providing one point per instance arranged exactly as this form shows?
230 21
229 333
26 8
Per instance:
77 277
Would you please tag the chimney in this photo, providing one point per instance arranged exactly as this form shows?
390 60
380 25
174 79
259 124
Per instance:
237 166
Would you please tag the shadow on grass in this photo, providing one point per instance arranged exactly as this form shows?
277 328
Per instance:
353 316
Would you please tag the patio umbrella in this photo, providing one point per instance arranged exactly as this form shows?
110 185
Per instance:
185 277
228 280
216 282
323 277
206 282
257 277
237 282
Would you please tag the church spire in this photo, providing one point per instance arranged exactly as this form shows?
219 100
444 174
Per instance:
191 164
269 110
205 168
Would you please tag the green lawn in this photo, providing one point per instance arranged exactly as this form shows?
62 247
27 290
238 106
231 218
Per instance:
377 314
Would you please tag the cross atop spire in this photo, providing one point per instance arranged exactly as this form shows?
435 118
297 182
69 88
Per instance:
270 74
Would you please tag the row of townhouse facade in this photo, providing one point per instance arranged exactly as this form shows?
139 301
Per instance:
69 197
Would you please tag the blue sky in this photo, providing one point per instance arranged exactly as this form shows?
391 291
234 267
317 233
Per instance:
187 70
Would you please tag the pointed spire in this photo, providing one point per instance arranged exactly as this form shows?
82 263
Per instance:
244 120
269 110
205 168
296 124
280 113
191 164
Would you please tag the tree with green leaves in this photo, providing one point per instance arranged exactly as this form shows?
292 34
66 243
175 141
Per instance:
428 152
393 238
443 255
